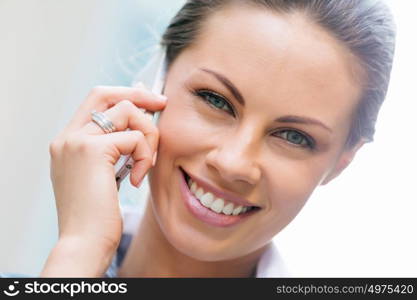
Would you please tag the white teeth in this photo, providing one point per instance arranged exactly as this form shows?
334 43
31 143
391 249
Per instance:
228 209
207 199
193 187
199 193
237 210
217 205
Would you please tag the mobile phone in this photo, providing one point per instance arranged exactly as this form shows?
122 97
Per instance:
153 74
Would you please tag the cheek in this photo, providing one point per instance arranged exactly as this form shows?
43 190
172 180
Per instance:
288 185
181 139
185 129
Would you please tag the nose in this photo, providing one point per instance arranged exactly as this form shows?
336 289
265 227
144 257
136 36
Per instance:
235 158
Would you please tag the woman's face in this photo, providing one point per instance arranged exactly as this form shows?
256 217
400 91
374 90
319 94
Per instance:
259 108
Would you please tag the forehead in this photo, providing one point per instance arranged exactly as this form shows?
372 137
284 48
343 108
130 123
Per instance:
283 55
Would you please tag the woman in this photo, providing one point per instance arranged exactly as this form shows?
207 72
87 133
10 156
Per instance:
266 100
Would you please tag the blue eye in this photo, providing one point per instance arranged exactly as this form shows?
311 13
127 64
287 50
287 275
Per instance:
219 102
215 100
297 138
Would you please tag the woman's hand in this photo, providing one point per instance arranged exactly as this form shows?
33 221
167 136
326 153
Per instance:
83 177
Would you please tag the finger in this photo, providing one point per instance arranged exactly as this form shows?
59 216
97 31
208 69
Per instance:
126 115
132 143
103 97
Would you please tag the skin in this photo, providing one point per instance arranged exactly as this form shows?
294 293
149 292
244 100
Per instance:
282 65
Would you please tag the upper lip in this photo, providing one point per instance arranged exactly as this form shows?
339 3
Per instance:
228 196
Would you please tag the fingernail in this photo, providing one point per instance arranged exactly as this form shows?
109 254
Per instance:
161 97
154 159
138 185
140 181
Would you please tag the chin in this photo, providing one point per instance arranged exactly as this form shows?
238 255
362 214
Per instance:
183 231
200 249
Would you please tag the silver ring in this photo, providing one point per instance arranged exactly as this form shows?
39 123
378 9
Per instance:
101 120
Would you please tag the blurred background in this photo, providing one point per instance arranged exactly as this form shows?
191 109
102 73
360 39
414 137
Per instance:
53 52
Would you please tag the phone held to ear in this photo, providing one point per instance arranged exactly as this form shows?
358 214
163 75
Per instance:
154 70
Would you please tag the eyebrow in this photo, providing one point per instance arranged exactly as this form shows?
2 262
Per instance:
284 119
228 84
301 120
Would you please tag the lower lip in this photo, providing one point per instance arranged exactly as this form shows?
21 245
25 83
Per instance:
204 214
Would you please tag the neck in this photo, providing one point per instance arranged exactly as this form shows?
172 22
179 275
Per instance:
151 255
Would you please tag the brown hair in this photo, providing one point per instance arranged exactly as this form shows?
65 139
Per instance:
365 27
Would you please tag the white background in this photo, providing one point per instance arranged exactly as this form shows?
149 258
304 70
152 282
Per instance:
52 52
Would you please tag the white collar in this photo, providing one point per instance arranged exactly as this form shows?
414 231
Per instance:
271 264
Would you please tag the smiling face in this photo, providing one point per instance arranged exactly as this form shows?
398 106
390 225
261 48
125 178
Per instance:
258 115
